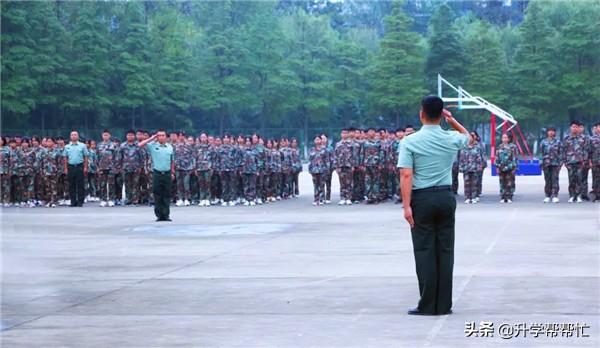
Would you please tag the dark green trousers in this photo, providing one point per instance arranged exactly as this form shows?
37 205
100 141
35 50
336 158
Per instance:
433 245
161 188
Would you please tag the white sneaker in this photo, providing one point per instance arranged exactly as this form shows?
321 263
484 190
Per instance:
186 203
52 205
476 200
103 204
111 203
502 201
224 204
179 203
31 204
259 201
252 204
555 200
278 198
246 203
509 201
571 199
579 200
68 202
547 200
467 201
6 205
232 203
47 205
315 203
327 202
342 202
201 203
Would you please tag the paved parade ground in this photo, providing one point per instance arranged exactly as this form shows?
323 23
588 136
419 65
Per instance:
292 275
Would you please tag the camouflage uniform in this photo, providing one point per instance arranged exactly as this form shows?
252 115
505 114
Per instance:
205 159
261 158
62 182
586 166
185 162
455 171
24 161
286 172
386 151
228 164
92 176
480 174
318 168
5 153
393 176
344 164
470 162
329 173
273 168
573 148
550 151
239 182
595 158
118 170
145 182
507 163
297 169
131 165
38 179
107 155
50 170
372 161
358 179
249 170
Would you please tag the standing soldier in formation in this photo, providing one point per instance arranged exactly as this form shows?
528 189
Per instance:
573 148
506 163
286 169
163 172
145 179
261 158
329 173
550 150
131 165
24 162
586 162
92 178
38 178
358 179
62 184
344 166
395 178
296 166
318 168
50 170
185 162
4 172
216 185
595 161
273 170
470 163
228 164
249 171
205 159
372 159
107 158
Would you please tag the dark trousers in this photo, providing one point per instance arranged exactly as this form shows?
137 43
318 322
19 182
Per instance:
433 246
161 188
76 187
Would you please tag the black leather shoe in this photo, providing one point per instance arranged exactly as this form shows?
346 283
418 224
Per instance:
167 219
416 311
448 312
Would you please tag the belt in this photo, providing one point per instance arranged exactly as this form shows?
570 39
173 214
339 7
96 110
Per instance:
75 165
162 172
434 189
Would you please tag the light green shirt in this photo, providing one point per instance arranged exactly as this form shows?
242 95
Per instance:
162 155
75 153
430 153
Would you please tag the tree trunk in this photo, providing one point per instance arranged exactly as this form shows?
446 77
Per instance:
305 131
397 118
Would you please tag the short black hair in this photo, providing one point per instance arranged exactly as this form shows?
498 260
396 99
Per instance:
551 129
161 130
400 129
432 106
105 131
575 122
131 131
409 126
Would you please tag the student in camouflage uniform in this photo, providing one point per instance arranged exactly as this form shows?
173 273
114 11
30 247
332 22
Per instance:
573 148
480 173
145 177
550 150
329 173
261 158
344 166
358 192
13 178
50 170
38 178
393 176
595 161
372 161
205 159
185 162
5 153
586 163
296 166
216 186
118 170
249 171
131 165
386 149
91 183
24 160
107 156
506 164
62 184
470 162
318 168
228 164
286 169
273 170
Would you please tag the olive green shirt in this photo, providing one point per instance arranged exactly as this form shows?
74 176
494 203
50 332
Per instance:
75 153
162 155
430 153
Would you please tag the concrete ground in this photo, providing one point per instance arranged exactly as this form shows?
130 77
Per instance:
293 275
